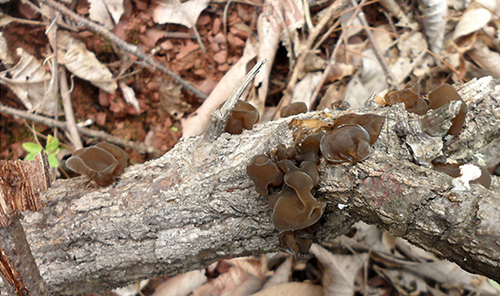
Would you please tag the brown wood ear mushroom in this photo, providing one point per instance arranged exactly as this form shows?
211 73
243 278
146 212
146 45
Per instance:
101 163
349 143
309 148
293 109
263 171
411 97
308 167
295 207
442 96
244 116
372 123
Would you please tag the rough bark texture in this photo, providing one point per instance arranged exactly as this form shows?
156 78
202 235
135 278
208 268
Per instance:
196 205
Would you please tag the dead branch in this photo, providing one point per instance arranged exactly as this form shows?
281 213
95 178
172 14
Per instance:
195 205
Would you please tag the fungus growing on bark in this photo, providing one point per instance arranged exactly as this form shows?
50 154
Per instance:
309 148
442 96
372 123
264 172
295 210
308 167
294 207
348 143
244 116
293 109
411 97
285 153
101 163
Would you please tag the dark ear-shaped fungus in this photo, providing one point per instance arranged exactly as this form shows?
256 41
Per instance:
244 116
349 143
101 163
442 96
411 97
293 109
309 148
308 167
285 153
372 123
296 209
264 172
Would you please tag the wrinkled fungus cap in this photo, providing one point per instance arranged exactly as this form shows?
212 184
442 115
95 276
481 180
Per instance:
411 97
295 207
293 109
372 123
101 163
244 116
349 143
442 96
263 171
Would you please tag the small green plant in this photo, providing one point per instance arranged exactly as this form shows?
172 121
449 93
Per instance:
51 148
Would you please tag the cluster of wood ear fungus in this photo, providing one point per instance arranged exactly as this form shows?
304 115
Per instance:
101 163
292 175
415 102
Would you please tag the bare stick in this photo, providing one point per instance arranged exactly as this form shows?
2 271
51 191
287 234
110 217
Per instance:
140 147
219 117
68 111
124 45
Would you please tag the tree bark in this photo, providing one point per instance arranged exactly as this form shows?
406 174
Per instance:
195 204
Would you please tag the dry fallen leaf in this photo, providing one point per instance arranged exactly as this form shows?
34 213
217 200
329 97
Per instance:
105 12
487 59
29 81
83 63
196 123
475 18
340 271
175 12
4 51
268 45
129 95
292 289
182 284
281 275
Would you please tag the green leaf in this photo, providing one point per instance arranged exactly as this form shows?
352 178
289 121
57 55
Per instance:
32 147
53 162
31 156
52 144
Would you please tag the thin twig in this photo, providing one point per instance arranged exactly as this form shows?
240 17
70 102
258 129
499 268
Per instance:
132 49
390 77
220 117
68 111
140 147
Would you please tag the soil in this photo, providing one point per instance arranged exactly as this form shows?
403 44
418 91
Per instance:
162 102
